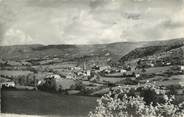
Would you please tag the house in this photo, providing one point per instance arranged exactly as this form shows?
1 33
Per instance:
8 84
96 67
104 68
182 68
39 82
77 68
152 65
107 54
168 63
88 73
181 83
79 73
137 75
123 71
107 71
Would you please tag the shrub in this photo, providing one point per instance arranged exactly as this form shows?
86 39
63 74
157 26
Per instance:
133 102
129 81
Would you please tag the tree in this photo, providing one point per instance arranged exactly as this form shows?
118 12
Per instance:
125 102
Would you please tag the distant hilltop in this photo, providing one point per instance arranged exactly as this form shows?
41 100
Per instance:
120 51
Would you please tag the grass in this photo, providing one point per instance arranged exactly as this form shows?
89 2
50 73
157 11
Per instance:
157 69
14 72
43 103
111 79
163 80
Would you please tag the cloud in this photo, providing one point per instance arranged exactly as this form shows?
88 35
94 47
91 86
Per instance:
90 21
95 3
172 24
1 32
7 16
16 36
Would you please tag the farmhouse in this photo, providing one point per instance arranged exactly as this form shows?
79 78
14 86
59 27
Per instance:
8 84
182 68
96 67
181 83
123 71
152 65
168 63
137 75
88 73
104 68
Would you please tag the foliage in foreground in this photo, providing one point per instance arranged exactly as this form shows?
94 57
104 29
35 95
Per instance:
147 101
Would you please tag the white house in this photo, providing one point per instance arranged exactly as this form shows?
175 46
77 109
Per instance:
137 75
152 65
181 83
182 68
123 71
168 63
8 84
77 68
104 68
88 73
107 54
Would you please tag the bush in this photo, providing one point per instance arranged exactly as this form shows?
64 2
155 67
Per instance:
125 102
173 89
129 81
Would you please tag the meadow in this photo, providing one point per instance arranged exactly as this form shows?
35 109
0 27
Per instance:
44 103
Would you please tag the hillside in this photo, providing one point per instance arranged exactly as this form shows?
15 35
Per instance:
156 50
113 51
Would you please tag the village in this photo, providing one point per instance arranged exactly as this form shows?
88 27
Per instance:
46 81
74 78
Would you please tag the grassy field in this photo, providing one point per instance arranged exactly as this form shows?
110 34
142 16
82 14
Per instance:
14 72
43 103
111 79
163 80
159 70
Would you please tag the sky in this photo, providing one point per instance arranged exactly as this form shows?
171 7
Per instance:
89 21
